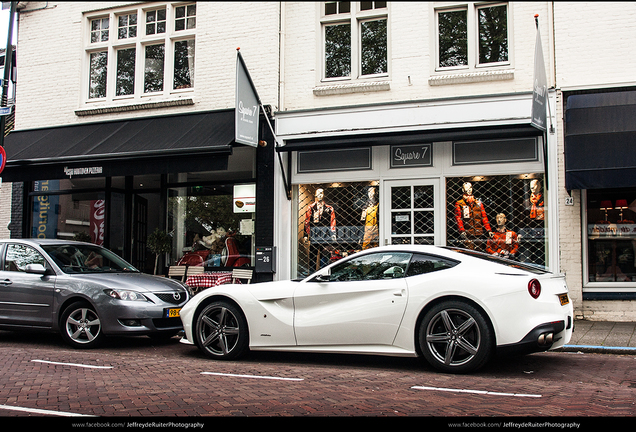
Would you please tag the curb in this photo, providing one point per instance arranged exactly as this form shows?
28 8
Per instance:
597 349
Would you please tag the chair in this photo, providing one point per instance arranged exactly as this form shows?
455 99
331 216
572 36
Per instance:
177 272
192 270
241 274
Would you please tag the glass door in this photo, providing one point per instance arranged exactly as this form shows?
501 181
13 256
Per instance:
412 217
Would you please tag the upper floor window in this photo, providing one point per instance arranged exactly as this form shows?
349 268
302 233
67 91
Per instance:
133 64
472 35
355 39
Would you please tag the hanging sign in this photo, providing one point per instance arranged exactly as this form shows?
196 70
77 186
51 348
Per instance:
247 106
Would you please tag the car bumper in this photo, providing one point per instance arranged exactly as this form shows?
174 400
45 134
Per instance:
139 319
544 337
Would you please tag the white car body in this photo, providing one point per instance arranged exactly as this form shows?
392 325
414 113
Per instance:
383 316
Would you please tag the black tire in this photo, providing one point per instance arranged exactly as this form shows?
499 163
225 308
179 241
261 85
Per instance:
455 337
80 326
220 331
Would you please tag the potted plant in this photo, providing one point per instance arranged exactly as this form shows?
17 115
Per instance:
159 242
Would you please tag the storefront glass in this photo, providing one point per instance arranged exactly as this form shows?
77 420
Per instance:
335 220
78 215
611 235
512 207
210 226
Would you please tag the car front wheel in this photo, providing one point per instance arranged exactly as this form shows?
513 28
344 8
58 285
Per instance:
221 331
81 326
455 337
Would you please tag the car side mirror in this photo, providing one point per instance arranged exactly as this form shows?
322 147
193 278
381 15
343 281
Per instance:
36 268
323 277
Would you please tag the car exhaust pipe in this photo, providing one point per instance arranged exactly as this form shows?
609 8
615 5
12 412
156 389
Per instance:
545 338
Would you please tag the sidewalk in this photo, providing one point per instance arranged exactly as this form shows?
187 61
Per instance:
603 336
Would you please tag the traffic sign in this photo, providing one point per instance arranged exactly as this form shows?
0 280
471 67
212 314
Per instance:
3 158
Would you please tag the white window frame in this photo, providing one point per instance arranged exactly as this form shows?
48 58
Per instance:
169 38
355 18
472 30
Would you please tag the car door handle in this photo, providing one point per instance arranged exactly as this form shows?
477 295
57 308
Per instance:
6 282
399 293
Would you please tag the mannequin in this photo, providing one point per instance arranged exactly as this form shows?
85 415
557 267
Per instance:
504 243
370 218
471 218
536 201
319 215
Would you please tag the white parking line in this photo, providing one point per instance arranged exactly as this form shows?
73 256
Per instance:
252 376
484 392
73 364
41 411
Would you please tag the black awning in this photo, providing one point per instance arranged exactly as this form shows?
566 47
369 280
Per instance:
600 140
124 147
402 138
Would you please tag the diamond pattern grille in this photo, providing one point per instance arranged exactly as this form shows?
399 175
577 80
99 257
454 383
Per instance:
344 222
518 197
347 219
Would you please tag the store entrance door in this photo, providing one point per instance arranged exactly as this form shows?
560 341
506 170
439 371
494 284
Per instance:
412 212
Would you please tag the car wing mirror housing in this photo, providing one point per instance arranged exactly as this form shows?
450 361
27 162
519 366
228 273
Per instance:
36 268
324 276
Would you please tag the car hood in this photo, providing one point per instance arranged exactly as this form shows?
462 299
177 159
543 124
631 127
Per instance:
139 282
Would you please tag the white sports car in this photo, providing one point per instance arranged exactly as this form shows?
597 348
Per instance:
454 307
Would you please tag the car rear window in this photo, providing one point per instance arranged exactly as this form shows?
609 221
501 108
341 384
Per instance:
529 267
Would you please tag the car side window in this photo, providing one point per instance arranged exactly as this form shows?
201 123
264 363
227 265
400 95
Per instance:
373 266
18 256
421 264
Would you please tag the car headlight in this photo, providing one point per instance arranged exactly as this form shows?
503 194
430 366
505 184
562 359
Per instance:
125 295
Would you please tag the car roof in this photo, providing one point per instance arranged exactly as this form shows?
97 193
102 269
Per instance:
41 242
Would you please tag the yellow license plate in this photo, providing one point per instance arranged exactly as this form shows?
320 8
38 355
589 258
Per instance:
563 298
173 313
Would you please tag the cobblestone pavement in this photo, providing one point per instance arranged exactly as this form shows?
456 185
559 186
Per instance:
138 379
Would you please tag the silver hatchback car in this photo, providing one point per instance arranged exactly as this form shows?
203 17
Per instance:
83 291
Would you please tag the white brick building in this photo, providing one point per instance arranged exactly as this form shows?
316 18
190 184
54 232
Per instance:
353 84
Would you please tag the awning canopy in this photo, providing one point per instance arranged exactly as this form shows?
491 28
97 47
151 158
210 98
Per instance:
151 145
414 137
600 140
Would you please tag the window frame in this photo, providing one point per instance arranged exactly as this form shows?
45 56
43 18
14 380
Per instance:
472 34
355 18
113 45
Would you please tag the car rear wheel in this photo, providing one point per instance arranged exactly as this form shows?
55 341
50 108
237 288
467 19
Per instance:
81 326
221 331
455 337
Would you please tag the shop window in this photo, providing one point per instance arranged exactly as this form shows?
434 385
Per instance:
335 220
207 230
70 216
501 215
611 235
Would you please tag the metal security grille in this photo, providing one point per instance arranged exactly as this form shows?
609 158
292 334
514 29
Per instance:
335 220
509 206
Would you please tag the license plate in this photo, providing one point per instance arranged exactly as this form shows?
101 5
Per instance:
172 313
563 298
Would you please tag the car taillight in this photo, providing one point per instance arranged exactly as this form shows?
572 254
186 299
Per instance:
534 288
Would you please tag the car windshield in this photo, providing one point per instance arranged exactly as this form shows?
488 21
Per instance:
532 268
86 258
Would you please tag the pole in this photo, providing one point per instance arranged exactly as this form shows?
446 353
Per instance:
8 57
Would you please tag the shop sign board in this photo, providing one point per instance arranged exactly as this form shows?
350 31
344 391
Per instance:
412 155
244 198
247 106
